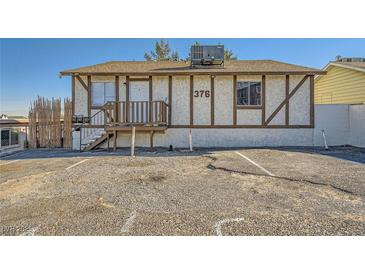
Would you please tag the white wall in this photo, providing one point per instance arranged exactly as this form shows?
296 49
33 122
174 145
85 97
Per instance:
343 124
235 137
357 125
334 120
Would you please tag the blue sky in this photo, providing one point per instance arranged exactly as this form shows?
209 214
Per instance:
30 67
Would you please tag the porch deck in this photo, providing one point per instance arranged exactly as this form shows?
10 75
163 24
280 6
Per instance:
147 117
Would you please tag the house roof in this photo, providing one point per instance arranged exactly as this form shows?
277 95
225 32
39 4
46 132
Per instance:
181 67
13 122
358 66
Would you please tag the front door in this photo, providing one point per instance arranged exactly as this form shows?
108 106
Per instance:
139 97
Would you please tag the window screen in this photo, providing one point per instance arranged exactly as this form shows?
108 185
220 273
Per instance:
102 93
249 93
5 137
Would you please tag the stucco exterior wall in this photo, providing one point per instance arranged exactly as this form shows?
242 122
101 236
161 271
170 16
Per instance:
238 137
223 100
275 94
201 104
299 104
160 88
249 116
343 125
180 100
80 97
122 88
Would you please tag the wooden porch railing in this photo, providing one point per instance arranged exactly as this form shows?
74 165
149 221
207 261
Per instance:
135 112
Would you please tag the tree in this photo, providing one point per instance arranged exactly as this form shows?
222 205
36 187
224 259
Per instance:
162 53
229 55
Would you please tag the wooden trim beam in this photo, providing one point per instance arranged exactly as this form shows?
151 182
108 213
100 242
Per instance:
139 79
170 100
240 126
206 72
234 100
86 87
127 99
73 94
286 99
150 99
116 119
263 99
89 95
147 129
212 100
248 107
191 99
150 88
287 86
311 79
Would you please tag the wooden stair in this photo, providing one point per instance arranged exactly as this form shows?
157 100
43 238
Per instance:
94 143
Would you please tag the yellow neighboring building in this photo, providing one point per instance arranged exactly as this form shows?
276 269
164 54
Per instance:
344 82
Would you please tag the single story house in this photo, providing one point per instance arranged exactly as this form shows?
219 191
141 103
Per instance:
13 131
240 103
344 82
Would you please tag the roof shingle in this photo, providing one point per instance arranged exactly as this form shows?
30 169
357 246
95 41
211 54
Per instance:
181 67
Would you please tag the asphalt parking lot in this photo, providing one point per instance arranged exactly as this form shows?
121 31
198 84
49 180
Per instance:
261 191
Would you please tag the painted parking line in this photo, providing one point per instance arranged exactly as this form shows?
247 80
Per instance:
129 222
218 225
76 164
10 162
256 164
30 232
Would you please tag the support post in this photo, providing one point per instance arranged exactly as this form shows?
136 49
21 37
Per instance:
114 141
133 140
151 139
108 139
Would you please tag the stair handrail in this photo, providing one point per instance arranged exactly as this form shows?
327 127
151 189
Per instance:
88 128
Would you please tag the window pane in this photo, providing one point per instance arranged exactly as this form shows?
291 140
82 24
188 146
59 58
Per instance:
5 134
97 94
109 92
255 93
14 137
242 93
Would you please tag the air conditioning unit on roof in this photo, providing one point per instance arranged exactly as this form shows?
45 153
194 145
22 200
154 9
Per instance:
207 55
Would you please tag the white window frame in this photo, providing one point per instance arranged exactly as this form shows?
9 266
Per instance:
249 93
104 95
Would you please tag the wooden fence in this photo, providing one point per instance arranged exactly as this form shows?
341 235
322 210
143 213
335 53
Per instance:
46 129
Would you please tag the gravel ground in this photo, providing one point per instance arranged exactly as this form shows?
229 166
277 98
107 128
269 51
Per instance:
207 192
